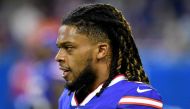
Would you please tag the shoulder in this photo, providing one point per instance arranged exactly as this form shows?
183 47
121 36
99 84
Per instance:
140 95
64 94
65 99
141 89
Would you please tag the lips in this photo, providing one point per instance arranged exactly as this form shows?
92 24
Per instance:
65 72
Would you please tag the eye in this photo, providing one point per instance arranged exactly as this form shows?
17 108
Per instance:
68 48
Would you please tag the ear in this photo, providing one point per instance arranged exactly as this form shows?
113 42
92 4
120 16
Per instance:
103 50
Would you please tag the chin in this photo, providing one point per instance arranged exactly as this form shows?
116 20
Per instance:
69 83
85 80
70 86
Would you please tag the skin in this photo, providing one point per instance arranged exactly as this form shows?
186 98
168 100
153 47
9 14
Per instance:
75 49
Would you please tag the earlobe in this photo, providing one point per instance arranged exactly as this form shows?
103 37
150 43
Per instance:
103 49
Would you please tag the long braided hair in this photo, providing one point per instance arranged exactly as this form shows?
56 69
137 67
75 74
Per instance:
102 22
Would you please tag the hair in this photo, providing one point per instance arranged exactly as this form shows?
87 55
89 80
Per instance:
104 22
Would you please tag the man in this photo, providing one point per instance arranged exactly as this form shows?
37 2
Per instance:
100 62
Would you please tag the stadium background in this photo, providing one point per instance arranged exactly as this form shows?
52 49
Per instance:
29 76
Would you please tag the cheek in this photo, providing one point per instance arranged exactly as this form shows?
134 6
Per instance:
77 63
78 60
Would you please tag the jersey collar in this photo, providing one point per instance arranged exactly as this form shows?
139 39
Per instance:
92 94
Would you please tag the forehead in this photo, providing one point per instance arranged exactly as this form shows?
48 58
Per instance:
68 33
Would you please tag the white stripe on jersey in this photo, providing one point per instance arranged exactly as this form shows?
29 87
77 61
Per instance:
141 101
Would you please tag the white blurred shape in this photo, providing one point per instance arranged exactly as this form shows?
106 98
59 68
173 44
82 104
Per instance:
24 21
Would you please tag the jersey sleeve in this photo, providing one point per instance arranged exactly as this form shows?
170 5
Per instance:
141 97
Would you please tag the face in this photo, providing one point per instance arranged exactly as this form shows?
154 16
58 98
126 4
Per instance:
75 55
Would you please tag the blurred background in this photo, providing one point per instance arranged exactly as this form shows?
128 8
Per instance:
29 75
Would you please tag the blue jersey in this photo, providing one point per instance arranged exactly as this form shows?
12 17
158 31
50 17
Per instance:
120 94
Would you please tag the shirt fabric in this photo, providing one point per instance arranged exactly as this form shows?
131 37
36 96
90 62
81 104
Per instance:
120 94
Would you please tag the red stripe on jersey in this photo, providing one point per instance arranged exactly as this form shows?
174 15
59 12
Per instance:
141 101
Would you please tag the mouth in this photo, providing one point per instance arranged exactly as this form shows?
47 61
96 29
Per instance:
65 72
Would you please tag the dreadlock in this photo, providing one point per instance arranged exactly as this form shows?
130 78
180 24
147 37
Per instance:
103 21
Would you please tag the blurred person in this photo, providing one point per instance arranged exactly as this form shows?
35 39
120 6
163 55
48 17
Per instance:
32 76
100 62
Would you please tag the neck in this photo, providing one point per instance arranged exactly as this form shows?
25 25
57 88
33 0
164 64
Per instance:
85 90
102 74
82 93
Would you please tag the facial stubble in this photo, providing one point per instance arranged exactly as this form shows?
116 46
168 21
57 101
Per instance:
85 80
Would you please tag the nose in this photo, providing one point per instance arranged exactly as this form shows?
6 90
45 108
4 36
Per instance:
60 56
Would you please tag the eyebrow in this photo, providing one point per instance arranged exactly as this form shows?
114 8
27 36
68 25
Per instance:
59 45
